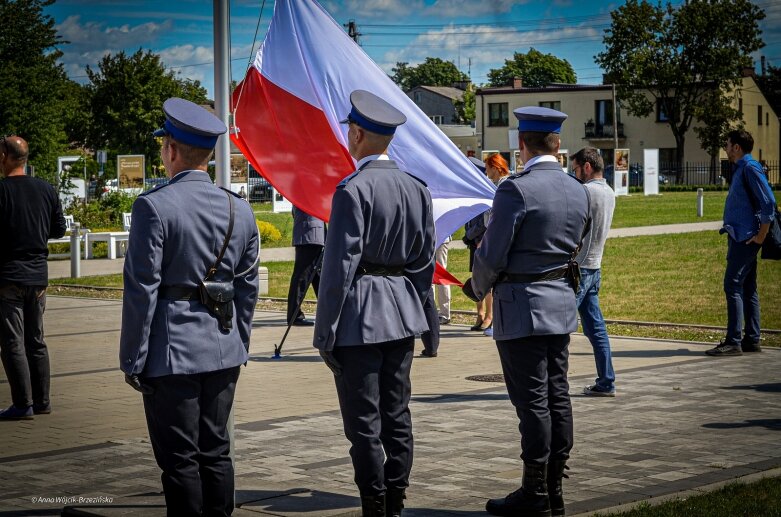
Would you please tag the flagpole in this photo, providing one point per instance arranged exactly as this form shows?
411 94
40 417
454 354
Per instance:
222 89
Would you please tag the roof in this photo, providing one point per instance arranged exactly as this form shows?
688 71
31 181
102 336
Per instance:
557 87
444 91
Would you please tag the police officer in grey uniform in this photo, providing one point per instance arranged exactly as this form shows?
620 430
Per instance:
172 348
308 241
377 271
527 255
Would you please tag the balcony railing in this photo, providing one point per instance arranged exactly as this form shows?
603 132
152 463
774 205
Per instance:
594 131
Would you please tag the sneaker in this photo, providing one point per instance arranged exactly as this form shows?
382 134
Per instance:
40 409
751 347
15 413
724 349
489 332
596 391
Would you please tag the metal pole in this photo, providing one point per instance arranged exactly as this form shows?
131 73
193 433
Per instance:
76 250
699 202
222 89
615 127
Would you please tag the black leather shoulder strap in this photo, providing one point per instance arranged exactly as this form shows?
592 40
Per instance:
214 267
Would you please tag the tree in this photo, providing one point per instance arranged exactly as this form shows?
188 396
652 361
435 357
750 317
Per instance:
770 84
534 68
684 60
126 101
465 108
432 72
37 97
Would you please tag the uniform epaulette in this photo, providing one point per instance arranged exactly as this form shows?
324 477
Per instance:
153 189
519 174
231 192
415 177
347 179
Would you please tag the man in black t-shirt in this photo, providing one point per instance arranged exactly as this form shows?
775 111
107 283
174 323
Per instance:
30 213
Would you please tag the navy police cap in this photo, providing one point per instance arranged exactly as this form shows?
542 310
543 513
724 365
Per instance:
480 164
542 120
190 124
373 113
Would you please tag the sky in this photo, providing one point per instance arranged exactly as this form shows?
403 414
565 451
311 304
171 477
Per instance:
476 35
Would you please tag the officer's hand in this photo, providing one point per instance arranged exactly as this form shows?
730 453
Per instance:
137 385
331 362
468 291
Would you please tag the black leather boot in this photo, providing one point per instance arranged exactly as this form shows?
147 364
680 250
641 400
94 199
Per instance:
394 502
555 474
531 500
373 505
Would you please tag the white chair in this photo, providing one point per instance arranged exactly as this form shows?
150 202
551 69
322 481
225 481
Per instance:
66 239
117 241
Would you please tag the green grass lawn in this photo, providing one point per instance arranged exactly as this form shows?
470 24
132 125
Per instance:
760 498
634 210
663 278
667 208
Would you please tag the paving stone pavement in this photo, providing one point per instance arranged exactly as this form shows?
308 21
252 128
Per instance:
681 420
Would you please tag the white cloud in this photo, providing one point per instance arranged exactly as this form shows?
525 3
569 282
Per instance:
93 35
484 44
460 7
373 9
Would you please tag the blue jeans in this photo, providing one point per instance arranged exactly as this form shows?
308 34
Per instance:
594 326
740 286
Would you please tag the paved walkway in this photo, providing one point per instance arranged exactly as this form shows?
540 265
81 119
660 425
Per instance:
61 268
681 421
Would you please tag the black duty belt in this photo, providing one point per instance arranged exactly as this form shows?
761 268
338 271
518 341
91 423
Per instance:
380 270
175 292
515 278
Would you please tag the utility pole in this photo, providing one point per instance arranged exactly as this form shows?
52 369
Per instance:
352 30
615 126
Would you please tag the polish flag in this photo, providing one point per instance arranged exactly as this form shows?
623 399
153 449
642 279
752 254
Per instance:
287 112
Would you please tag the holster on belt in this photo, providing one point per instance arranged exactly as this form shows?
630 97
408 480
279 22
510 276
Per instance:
218 296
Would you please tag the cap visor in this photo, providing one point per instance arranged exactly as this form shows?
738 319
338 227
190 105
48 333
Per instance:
160 132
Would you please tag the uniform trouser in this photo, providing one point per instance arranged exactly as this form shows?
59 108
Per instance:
187 416
443 291
374 391
740 287
535 371
306 261
430 338
22 348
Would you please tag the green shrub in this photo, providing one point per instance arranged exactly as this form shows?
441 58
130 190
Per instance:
105 213
268 232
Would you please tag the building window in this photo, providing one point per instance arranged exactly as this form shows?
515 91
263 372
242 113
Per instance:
438 119
418 97
603 115
497 114
661 115
667 155
767 118
740 107
554 105
759 115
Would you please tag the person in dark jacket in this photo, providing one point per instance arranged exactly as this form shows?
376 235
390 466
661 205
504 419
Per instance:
30 214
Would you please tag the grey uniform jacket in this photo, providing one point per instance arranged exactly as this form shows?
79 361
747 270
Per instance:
536 223
178 230
379 216
307 229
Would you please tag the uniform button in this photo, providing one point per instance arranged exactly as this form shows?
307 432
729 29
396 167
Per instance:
320 338
128 361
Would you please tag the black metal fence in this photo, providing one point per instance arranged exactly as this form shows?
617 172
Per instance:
707 173
694 173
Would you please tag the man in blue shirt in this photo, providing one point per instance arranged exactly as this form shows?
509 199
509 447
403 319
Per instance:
749 209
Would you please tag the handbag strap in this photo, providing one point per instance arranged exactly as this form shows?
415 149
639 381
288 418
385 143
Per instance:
213 269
